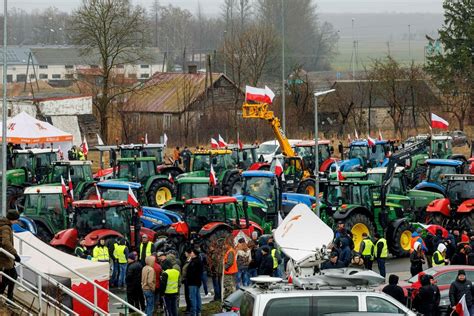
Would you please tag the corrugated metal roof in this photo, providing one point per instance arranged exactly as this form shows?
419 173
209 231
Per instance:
17 55
169 92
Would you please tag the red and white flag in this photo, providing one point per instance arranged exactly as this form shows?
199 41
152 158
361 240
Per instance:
370 141
380 135
170 177
84 146
71 192
214 144
270 94
165 139
97 192
461 307
63 186
212 177
239 142
222 143
438 122
259 95
146 138
340 177
355 134
131 198
278 167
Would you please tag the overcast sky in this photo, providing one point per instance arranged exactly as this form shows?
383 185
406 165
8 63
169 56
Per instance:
212 7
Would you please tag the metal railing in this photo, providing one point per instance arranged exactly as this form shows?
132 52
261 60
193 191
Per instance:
97 287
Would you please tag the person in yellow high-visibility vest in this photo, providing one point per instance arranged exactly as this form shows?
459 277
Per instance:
380 252
146 249
121 255
439 256
367 251
101 252
169 288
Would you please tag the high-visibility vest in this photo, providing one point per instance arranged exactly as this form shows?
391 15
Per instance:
101 253
438 256
368 248
147 250
384 253
233 268
119 253
275 260
172 283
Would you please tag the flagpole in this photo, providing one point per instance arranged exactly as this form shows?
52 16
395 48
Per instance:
4 113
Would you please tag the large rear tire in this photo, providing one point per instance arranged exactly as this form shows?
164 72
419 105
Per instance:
216 241
307 187
467 222
418 175
43 233
358 224
400 245
435 218
160 192
233 185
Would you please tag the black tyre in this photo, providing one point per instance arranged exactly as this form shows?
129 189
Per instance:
467 222
89 193
307 187
418 175
160 192
14 197
43 233
358 224
216 241
399 243
233 185
435 218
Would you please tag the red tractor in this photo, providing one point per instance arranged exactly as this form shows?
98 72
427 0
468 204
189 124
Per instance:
457 209
97 219
210 220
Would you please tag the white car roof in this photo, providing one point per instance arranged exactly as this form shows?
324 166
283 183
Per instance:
44 189
275 142
383 170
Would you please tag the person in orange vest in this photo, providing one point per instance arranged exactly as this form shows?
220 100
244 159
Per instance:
416 237
230 268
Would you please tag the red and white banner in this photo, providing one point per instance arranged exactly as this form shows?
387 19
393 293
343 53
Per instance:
212 177
370 141
461 307
84 146
380 135
278 167
63 186
340 177
71 192
259 95
239 143
222 143
214 144
438 122
131 198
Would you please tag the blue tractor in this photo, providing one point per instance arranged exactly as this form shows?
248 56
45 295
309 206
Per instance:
435 180
362 156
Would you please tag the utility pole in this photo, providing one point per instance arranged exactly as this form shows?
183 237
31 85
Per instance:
4 114
283 94
409 41
225 52
353 50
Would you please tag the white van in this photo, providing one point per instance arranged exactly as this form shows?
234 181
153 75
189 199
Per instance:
267 150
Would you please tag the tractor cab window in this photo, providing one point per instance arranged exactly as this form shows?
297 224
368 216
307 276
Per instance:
266 149
396 186
262 187
377 154
356 196
87 220
441 148
118 219
23 161
377 177
358 152
338 195
198 215
304 151
436 174
324 153
460 191
230 211
51 207
58 171
121 194
193 190
47 159
31 201
292 168
202 163
145 169
77 174
365 195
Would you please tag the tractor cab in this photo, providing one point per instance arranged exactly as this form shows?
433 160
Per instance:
188 188
293 171
79 171
244 158
136 169
459 188
363 156
143 150
35 162
435 177
221 160
118 190
342 194
305 150
441 146
398 185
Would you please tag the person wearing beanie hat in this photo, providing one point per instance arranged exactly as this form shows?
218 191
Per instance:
133 283
460 287
394 290
425 299
7 265
439 257
417 258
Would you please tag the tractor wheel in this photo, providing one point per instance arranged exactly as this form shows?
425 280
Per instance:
400 245
467 222
358 224
216 241
307 187
90 193
418 175
160 192
43 233
14 197
233 185
435 218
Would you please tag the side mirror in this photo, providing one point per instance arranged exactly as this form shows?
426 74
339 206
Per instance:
245 204
374 149
71 171
214 161
272 181
244 155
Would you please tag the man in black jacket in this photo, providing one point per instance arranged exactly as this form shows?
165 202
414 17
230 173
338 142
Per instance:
425 300
266 262
462 286
333 262
133 280
193 279
394 290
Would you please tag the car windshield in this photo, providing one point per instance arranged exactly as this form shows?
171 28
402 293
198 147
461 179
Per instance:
136 170
358 152
430 271
262 187
266 149
436 174
88 219
459 190
121 194
193 190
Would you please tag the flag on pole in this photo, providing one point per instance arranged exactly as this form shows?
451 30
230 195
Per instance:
259 95
212 177
340 177
170 177
165 139
438 122
85 147
380 135
222 143
71 191
370 141
270 94
355 134
97 192
100 142
214 144
278 167
146 138
63 186
239 142
461 307
131 198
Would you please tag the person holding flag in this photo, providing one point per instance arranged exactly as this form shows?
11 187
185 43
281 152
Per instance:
461 293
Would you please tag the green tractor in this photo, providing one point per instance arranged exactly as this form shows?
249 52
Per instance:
159 188
188 188
28 167
353 202
80 172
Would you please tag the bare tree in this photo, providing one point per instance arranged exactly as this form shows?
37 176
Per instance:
188 93
113 30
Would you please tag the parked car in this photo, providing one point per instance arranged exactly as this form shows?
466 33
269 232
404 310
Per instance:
269 149
459 138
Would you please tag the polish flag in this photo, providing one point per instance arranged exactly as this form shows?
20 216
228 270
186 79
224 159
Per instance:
380 135
85 147
170 177
146 139
355 134
370 141
278 167
222 142
63 186
214 144
340 177
270 94
131 198
461 307
165 139
212 177
258 95
71 192
438 122
97 192
239 142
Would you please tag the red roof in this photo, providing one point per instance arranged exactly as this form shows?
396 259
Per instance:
212 200
98 203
